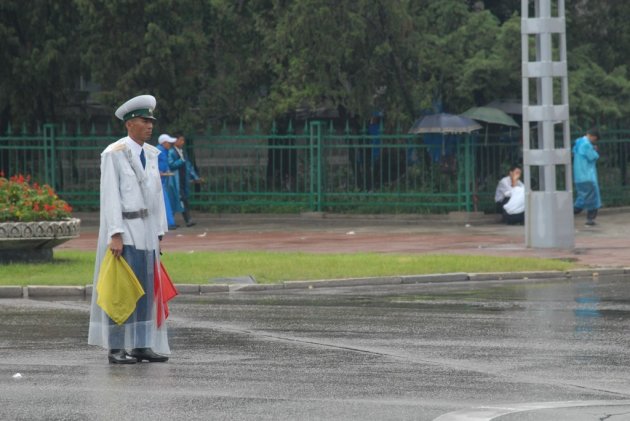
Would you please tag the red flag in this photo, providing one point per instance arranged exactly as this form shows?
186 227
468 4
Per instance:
164 292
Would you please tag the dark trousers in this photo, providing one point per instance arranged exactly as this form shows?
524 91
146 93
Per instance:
499 205
186 212
590 214
517 218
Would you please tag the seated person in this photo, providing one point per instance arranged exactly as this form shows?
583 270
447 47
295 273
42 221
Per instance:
514 209
505 186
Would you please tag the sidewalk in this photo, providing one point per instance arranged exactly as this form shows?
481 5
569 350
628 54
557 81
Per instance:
605 245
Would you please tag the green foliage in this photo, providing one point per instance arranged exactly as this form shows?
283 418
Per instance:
597 95
40 65
492 73
132 48
218 60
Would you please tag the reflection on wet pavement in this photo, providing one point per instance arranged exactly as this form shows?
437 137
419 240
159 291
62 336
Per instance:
403 352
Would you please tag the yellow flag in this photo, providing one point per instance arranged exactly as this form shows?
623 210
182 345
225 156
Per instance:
118 288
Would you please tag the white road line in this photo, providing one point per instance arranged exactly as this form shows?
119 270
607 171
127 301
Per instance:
490 412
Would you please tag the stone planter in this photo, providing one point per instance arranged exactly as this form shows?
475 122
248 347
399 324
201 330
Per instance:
34 241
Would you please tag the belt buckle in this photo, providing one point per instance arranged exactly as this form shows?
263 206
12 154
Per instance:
141 213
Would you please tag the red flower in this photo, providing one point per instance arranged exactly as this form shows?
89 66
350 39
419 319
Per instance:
25 202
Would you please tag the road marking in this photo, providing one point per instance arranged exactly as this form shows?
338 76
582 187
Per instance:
490 412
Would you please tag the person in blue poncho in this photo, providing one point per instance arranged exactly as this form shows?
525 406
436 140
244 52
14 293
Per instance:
165 143
585 156
185 173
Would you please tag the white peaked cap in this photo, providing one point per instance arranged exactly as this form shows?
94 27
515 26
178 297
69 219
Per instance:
166 138
140 106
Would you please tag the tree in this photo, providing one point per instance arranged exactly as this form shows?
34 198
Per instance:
225 59
493 73
41 66
133 47
239 77
501 9
315 56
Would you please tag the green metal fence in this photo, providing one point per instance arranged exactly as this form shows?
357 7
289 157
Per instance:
316 168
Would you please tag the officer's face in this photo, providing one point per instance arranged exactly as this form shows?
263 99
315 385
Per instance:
140 129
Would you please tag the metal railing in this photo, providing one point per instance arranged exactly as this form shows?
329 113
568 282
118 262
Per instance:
317 169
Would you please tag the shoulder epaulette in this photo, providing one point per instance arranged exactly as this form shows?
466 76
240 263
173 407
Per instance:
151 149
116 146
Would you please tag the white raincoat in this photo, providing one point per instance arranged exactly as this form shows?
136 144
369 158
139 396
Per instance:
127 187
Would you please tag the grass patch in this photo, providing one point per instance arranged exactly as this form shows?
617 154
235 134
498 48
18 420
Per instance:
76 267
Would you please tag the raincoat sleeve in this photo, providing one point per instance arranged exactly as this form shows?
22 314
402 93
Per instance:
163 223
584 162
110 185
587 150
155 194
191 171
174 161
163 161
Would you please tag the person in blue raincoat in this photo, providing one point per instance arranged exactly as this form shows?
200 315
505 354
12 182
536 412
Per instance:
165 143
185 173
585 156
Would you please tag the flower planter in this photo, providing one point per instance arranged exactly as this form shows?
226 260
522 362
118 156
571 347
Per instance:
34 241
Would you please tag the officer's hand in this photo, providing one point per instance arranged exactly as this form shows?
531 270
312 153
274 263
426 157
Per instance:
116 245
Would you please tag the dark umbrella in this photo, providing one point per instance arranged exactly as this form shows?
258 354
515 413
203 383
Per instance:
444 123
490 115
509 106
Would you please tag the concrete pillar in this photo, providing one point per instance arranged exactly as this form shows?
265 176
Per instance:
546 133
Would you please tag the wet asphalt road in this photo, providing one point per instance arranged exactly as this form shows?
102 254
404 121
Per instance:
409 352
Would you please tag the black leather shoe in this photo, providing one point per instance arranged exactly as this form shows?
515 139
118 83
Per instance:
147 354
190 224
120 356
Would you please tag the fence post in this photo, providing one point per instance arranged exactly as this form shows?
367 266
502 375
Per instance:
315 147
465 174
49 155
461 175
469 174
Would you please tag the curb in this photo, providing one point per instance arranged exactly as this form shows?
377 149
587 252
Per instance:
350 282
40 291
54 291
